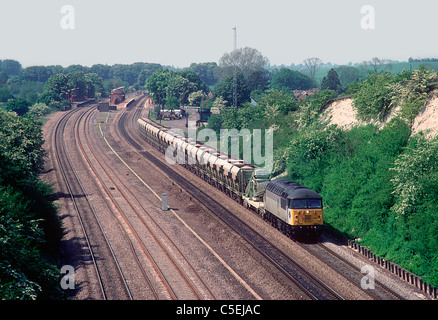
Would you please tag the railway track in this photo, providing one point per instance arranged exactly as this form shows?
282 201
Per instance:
107 176
114 209
85 212
351 273
86 176
309 283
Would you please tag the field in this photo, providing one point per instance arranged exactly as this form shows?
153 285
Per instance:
394 68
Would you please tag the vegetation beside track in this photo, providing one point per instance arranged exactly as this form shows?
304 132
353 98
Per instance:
378 181
30 231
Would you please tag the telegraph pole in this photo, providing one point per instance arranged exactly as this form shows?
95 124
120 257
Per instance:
235 71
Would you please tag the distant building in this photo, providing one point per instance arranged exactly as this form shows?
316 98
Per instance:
103 106
303 94
117 95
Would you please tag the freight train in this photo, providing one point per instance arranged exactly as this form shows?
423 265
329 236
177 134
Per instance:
288 206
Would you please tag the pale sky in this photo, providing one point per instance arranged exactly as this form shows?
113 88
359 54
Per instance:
179 32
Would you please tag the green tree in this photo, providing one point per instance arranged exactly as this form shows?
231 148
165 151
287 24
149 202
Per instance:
286 102
169 87
36 73
20 106
206 71
374 98
331 81
225 90
30 231
49 98
78 80
347 75
215 122
94 85
21 153
243 60
3 78
5 94
157 84
11 67
178 88
288 80
193 78
57 86
312 65
102 70
146 72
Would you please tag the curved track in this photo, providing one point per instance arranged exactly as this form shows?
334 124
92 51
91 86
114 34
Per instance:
77 192
110 216
107 176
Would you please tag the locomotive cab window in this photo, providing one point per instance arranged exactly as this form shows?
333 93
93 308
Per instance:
299 204
305 204
314 203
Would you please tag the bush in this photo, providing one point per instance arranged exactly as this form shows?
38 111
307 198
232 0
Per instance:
415 209
312 106
411 92
38 110
20 106
373 99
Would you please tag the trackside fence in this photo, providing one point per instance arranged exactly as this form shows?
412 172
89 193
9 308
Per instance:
395 269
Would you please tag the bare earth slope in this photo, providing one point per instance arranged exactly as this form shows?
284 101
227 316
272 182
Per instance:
342 113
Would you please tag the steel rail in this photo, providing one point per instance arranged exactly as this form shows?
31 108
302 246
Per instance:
131 246
63 122
171 291
377 282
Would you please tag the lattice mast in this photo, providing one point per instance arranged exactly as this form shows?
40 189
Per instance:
235 69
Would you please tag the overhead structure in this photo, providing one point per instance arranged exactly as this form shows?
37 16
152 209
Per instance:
235 70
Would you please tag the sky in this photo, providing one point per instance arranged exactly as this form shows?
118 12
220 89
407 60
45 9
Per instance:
180 32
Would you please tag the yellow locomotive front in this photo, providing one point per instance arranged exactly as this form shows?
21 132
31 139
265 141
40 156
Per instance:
306 214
